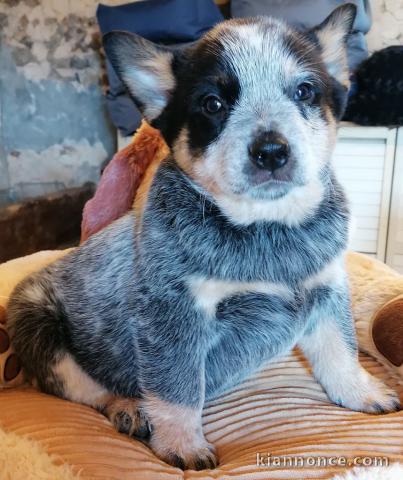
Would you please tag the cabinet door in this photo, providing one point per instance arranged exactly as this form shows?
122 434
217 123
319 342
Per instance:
363 161
395 236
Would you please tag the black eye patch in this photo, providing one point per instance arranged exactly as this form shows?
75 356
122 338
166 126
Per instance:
212 99
199 74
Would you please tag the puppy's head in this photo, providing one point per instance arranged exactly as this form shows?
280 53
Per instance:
249 111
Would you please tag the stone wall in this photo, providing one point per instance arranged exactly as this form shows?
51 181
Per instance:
387 28
54 129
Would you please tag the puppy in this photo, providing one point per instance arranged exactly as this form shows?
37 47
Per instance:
233 254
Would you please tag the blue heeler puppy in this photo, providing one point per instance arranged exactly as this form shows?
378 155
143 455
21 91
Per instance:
234 253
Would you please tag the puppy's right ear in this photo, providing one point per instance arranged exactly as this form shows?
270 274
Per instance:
144 68
332 35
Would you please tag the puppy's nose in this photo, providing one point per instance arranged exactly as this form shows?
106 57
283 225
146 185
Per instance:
270 151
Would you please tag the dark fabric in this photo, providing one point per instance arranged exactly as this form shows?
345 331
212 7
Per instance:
378 93
170 22
123 113
122 110
310 13
161 21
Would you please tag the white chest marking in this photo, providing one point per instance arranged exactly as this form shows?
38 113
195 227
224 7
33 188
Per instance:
208 293
332 274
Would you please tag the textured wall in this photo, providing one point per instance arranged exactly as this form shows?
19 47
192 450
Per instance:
387 28
54 129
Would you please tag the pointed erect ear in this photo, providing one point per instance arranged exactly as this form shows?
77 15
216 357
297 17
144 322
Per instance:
144 68
332 35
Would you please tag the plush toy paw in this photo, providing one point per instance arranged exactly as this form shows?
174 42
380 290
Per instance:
387 333
10 365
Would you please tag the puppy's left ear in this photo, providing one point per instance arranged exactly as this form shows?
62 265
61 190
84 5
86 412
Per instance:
144 68
332 35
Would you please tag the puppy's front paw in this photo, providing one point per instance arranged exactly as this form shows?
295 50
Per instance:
381 398
186 454
367 394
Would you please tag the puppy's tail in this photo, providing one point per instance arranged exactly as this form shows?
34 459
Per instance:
35 323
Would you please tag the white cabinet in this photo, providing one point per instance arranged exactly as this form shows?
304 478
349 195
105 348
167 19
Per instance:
122 141
394 251
369 163
364 160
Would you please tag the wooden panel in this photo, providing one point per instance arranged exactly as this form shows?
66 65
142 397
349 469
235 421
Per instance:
364 246
398 262
123 141
372 255
370 186
360 162
346 129
366 147
366 211
360 174
364 222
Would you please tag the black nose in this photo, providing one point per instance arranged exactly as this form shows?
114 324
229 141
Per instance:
270 151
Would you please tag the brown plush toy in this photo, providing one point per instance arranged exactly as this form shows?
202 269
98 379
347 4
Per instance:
377 301
377 290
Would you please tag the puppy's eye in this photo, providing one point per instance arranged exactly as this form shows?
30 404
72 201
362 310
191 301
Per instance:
304 93
212 104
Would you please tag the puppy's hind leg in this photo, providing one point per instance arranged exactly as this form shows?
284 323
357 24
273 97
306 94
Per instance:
125 414
37 326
